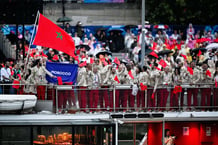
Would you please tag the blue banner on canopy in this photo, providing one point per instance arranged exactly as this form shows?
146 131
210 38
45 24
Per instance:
68 72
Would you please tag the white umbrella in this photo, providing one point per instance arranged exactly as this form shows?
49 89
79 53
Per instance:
212 46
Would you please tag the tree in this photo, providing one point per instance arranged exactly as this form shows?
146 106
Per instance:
182 12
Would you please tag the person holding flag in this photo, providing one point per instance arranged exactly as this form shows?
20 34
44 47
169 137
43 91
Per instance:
39 72
104 72
121 74
155 81
174 96
113 80
143 83
166 83
192 77
94 83
206 78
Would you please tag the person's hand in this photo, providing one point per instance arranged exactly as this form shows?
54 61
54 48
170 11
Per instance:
54 77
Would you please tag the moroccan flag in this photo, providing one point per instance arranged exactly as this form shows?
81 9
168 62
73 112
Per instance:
154 46
208 73
116 60
199 52
116 79
184 56
91 60
154 54
130 74
177 89
16 84
83 64
158 68
190 70
50 35
162 63
143 87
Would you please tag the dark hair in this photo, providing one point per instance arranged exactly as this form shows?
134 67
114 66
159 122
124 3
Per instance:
144 68
26 77
178 69
166 130
139 68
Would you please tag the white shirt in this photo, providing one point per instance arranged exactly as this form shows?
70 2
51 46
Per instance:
5 72
76 40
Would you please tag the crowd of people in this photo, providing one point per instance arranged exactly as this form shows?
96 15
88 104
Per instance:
174 65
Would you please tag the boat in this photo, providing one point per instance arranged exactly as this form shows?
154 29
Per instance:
17 102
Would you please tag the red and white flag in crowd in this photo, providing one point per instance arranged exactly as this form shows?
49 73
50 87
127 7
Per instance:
83 64
143 87
162 63
208 73
190 70
184 56
177 89
130 74
199 52
154 54
116 60
116 79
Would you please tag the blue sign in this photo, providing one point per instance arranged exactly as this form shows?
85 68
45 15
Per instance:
68 72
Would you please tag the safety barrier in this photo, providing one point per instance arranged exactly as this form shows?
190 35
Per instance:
121 98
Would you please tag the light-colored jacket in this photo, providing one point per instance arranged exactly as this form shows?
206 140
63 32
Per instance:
82 77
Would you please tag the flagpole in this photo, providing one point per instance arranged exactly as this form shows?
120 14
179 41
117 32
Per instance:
31 41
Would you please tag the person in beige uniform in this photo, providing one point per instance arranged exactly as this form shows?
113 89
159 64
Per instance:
123 93
104 98
134 84
39 72
94 83
142 94
192 80
167 82
28 80
82 84
110 80
156 76
176 81
206 89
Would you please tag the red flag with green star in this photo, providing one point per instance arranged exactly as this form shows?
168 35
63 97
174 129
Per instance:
50 35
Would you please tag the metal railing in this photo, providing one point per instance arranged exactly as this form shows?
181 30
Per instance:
67 98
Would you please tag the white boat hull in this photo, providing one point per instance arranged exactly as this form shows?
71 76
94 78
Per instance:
17 102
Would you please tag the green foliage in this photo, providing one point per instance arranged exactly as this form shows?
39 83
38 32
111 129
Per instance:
182 11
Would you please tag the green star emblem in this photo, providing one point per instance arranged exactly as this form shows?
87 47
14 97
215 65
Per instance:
59 35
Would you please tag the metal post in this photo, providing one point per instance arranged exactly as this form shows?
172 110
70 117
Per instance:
134 134
143 35
116 132
56 99
114 96
163 132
